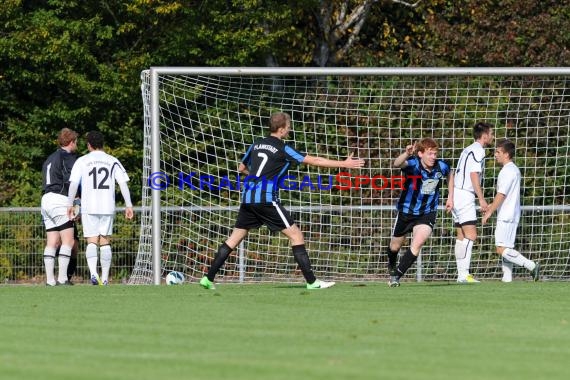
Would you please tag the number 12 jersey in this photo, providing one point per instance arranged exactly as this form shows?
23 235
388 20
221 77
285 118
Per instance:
96 172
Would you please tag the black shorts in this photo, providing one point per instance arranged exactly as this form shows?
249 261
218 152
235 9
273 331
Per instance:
65 226
273 215
405 223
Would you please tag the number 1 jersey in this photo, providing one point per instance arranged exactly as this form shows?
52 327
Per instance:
96 172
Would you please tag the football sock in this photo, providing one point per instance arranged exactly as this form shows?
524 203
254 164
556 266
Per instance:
515 257
106 256
71 266
406 262
63 262
507 270
392 258
463 251
302 259
91 256
49 262
219 260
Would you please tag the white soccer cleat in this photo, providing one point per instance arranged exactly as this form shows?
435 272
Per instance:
320 284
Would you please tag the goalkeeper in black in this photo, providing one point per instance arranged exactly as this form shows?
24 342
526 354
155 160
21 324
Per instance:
266 163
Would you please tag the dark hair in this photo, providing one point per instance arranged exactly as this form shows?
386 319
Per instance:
479 129
95 139
507 146
278 120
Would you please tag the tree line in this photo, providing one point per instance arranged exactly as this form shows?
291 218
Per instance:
77 64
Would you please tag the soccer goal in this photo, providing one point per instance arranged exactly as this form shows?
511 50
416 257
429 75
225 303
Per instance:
200 121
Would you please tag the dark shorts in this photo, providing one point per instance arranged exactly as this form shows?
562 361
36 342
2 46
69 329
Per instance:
405 223
65 226
273 215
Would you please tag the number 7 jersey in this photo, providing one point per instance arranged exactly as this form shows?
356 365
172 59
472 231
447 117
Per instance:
96 172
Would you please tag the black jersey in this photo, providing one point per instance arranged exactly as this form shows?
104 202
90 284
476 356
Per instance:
56 171
267 160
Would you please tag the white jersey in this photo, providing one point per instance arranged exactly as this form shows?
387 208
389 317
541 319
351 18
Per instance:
509 184
472 160
97 172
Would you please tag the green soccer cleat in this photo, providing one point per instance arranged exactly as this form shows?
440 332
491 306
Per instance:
320 285
207 284
536 272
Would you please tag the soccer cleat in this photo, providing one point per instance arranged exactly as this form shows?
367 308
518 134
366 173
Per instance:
105 283
394 282
207 284
49 284
66 283
469 279
95 280
535 272
318 284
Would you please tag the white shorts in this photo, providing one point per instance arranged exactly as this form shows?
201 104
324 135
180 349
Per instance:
54 210
505 234
464 209
97 224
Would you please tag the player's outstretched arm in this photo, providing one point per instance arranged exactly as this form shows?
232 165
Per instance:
349 163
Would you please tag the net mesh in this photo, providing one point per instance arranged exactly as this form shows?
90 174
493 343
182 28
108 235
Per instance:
208 121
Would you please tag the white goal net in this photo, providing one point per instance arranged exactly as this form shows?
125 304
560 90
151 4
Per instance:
205 119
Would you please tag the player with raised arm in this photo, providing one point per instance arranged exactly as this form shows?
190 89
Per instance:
507 204
55 187
266 162
418 203
467 180
97 172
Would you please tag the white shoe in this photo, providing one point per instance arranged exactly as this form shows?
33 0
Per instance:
320 284
469 279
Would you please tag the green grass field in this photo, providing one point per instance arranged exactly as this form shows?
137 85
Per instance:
418 331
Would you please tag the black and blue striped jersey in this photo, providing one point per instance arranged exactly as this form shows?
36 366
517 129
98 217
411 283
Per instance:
267 160
421 187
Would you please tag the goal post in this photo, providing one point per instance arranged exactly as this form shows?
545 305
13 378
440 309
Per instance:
198 123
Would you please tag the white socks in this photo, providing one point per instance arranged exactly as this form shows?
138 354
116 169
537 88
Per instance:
512 256
63 262
91 256
463 251
49 262
507 267
106 256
